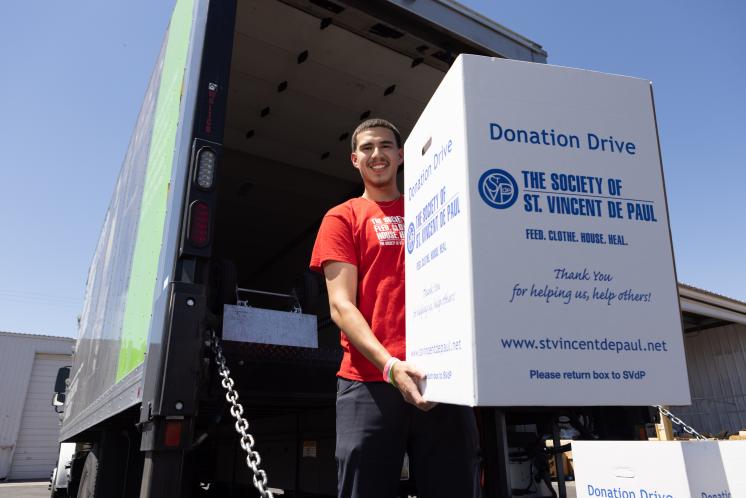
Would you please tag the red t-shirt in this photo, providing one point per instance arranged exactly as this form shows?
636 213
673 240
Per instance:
369 235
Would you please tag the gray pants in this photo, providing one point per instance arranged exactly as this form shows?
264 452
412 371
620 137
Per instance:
375 426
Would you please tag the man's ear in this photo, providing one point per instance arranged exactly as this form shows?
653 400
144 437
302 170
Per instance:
353 158
401 156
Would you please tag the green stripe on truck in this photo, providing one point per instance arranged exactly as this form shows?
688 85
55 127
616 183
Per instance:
139 306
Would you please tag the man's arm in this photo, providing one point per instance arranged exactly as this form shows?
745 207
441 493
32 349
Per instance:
341 283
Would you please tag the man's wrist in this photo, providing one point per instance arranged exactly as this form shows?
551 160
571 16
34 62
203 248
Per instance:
388 370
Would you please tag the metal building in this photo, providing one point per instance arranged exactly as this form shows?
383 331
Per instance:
29 427
715 345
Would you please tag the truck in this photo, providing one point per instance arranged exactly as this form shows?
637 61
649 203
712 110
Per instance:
240 147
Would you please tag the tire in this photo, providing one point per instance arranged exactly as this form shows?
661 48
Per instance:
89 476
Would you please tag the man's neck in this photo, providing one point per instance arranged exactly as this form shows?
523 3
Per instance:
381 194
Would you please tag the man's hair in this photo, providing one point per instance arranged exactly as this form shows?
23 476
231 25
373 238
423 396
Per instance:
374 123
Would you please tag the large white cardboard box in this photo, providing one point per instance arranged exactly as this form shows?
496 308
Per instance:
539 265
665 469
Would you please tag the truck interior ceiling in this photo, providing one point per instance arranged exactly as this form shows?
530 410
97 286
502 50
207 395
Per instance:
297 89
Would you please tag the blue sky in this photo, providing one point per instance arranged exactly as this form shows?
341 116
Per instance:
75 74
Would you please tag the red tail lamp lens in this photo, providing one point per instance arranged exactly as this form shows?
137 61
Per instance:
172 433
199 224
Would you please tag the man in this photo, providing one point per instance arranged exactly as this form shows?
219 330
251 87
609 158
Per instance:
380 411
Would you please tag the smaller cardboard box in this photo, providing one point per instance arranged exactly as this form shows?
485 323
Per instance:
668 468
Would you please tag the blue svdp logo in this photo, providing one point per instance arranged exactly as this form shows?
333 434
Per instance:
498 188
410 238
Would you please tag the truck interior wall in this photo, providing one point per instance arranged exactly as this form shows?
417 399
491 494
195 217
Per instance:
308 466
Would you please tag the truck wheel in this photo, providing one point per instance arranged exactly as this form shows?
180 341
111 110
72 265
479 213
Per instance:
89 476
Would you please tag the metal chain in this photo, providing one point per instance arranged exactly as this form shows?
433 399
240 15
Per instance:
253 459
676 420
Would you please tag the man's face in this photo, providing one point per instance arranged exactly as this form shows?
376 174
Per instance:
377 157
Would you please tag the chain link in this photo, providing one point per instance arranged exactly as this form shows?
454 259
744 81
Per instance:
253 459
676 420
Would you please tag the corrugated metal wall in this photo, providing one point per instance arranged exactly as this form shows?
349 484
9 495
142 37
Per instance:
36 445
716 359
17 353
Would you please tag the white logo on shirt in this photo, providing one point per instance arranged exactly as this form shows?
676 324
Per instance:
389 230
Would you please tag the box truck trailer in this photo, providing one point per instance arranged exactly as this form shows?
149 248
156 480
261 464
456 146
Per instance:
240 147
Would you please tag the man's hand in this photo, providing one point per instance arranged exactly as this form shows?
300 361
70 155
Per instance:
408 378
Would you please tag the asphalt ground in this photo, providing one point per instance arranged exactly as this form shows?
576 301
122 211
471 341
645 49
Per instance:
28 489
38 489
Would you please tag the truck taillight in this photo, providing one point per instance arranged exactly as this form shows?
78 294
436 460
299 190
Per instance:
199 224
172 433
206 158
201 198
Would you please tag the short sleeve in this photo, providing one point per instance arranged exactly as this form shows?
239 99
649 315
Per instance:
334 242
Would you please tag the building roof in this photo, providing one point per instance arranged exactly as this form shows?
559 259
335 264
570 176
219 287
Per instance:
705 309
699 290
37 336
